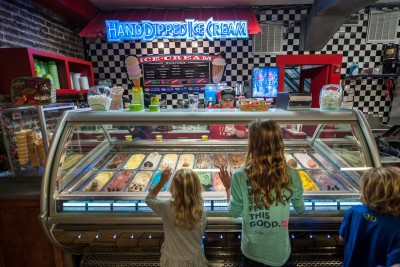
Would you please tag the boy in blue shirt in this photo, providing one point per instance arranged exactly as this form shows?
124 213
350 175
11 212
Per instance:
371 232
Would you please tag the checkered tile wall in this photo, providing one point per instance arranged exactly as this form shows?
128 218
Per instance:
108 58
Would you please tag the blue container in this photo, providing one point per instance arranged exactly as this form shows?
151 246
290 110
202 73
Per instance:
210 92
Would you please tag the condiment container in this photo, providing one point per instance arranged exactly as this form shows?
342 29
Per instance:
99 97
331 97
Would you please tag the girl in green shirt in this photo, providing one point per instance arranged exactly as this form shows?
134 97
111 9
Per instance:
261 193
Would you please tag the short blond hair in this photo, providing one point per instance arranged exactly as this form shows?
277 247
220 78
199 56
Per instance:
381 190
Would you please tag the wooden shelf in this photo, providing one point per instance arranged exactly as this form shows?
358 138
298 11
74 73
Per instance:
71 92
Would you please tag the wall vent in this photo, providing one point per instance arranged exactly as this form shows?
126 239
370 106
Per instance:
382 26
269 41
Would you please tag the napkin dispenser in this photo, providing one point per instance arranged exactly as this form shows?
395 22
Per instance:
293 101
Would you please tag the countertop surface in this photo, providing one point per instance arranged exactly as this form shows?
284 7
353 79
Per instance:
20 188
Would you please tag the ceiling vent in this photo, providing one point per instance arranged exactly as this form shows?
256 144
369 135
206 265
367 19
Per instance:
382 26
352 20
269 41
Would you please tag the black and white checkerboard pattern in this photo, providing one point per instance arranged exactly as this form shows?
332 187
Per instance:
108 58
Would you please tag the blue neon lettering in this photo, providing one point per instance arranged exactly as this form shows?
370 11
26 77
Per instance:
190 29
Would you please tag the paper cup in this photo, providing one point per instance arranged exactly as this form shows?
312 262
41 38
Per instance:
135 107
154 108
158 137
128 138
204 137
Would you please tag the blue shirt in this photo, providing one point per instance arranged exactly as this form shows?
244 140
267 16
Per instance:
265 236
370 238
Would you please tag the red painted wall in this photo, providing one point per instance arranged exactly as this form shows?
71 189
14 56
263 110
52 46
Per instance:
330 73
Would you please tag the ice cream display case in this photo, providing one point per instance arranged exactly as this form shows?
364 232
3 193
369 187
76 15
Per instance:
99 170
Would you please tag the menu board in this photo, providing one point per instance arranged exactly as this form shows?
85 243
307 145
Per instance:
175 74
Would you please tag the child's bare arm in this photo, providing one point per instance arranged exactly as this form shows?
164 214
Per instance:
166 174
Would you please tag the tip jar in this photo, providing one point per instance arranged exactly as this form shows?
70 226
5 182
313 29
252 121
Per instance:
99 97
331 97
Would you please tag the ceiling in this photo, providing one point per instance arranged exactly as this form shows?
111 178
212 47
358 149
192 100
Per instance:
316 33
125 4
129 4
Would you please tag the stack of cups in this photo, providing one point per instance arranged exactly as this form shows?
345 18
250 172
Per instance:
71 80
54 73
75 79
84 82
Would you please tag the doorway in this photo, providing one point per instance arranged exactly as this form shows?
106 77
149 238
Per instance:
315 71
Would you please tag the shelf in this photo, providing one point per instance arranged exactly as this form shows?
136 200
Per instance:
71 92
373 76
19 62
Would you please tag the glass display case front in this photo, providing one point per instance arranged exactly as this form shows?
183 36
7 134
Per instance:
102 164
27 131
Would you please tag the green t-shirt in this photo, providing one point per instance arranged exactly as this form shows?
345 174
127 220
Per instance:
265 235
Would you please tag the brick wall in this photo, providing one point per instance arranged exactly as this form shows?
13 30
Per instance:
24 23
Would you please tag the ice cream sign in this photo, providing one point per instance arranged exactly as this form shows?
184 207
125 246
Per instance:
190 29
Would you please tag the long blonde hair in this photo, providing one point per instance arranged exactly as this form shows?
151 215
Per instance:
380 190
187 199
266 166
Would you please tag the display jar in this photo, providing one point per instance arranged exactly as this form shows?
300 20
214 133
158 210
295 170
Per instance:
331 97
99 97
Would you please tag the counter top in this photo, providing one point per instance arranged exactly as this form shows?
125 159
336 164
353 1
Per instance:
20 188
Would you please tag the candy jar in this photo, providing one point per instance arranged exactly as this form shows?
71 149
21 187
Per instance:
331 97
99 97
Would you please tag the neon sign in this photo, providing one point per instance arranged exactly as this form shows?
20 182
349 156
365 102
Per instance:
190 29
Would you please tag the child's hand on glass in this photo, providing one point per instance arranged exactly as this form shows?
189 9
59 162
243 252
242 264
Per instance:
226 176
166 174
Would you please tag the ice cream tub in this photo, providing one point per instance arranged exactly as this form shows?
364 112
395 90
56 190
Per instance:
119 182
236 160
220 159
325 181
168 160
101 162
134 162
128 138
159 138
306 161
291 161
156 179
151 162
217 183
206 180
203 161
185 161
117 161
140 181
98 182
308 183
204 137
71 160
344 179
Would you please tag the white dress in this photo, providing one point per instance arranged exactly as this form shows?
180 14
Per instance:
181 248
